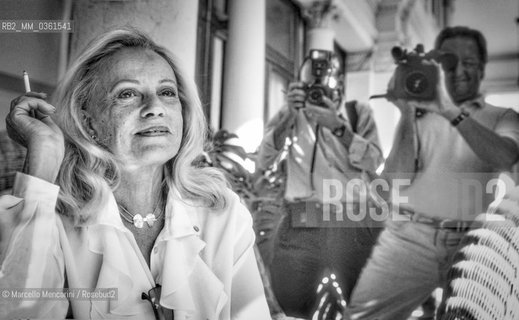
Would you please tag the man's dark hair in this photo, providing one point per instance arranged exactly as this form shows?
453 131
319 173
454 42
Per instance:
464 32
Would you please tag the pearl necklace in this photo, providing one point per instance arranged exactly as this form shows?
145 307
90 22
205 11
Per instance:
138 220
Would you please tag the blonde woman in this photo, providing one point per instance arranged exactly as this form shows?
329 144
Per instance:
110 205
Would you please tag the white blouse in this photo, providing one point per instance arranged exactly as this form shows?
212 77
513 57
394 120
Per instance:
202 258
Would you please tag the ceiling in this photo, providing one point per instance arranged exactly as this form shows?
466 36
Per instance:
497 19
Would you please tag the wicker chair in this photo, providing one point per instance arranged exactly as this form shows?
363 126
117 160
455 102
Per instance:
484 279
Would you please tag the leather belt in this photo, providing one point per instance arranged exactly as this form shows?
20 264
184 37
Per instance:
313 214
267 205
444 224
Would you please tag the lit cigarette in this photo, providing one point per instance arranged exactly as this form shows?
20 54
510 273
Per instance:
26 81
27 85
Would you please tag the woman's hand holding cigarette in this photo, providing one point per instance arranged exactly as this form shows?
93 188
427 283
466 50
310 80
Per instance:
39 134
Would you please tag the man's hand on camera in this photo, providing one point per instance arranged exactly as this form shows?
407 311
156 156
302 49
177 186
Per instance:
296 96
406 107
442 104
324 115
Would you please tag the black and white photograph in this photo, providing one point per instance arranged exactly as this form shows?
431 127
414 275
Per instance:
259 159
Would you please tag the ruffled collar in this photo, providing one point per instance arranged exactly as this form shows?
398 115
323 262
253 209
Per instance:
189 286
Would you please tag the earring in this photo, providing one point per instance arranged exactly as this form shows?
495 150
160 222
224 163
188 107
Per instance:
94 137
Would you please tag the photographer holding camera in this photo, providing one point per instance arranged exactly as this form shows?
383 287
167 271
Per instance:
449 148
321 138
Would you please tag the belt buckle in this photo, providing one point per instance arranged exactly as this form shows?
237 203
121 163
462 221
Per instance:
406 213
459 226
443 224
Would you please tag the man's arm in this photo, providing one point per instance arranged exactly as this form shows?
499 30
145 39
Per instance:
281 126
362 144
402 160
276 132
364 149
500 152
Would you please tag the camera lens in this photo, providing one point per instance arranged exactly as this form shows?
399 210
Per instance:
416 83
315 95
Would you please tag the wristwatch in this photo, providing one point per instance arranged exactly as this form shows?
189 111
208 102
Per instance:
463 114
339 131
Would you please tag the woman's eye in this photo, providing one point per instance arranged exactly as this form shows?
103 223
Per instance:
168 93
126 94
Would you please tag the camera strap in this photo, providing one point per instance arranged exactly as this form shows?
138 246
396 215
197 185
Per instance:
353 116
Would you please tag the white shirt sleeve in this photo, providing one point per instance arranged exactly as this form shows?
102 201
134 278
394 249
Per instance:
248 300
31 258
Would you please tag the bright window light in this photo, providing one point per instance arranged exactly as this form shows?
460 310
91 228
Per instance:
507 100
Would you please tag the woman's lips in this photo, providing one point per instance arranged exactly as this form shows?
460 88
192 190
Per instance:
154 131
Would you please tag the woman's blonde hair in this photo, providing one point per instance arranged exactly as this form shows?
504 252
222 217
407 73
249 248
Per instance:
87 167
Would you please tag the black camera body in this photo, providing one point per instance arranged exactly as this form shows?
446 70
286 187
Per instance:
414 79
319 74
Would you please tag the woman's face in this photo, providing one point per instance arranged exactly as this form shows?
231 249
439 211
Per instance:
139 115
